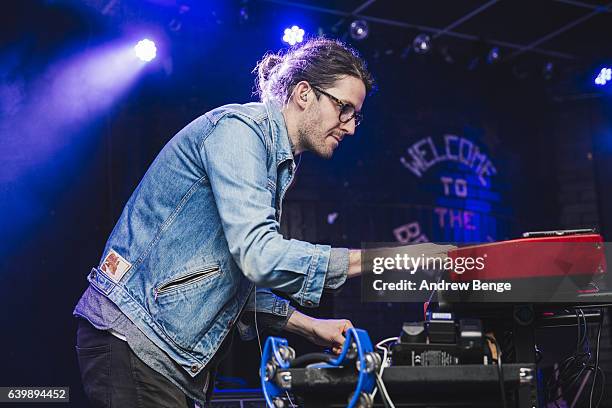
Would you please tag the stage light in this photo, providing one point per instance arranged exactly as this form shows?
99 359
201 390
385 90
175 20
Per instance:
359 30
548 70
145 50
293 35
494 55
604 76
421 44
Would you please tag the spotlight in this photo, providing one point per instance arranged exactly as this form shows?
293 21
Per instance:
494 55
604 76
421 44
145 50
293 35
548 70
359 30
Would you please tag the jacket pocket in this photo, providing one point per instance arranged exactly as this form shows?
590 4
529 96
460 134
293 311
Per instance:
183 282
187 305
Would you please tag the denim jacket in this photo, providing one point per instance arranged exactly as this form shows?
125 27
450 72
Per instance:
202 228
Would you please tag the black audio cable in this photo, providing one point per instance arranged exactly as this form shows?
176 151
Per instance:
595 372
500 376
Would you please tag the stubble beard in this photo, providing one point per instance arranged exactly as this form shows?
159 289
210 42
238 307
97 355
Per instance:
312 138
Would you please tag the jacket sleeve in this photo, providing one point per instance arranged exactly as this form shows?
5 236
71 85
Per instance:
234 156
273 313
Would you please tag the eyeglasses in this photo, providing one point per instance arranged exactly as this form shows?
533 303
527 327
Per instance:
347 110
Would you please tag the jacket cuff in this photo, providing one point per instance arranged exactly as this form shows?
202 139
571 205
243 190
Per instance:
337 271
272 322
310 294
268 321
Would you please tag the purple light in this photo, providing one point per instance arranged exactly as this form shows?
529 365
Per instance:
145 50
331 217
71 94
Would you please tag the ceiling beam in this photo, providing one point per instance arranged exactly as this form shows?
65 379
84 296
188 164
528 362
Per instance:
465 18
583 5
358 10
560 31
434 30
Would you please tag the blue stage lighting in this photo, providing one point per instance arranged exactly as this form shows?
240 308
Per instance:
421 44
145 50
604 76
359 30
293 35
494 55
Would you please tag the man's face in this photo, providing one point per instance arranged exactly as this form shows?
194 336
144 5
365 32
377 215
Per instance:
321 130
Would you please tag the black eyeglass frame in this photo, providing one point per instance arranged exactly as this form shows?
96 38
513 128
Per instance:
342 105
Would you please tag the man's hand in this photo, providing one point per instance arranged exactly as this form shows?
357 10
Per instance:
323 332
427 249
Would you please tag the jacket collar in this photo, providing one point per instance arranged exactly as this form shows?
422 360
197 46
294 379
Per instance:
280 136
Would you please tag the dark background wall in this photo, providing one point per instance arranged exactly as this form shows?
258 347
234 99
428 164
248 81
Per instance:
550 145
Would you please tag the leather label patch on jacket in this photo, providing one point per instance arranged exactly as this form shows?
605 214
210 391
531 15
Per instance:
115 266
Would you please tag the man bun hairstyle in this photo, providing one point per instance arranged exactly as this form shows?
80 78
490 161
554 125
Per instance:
319 61
266 65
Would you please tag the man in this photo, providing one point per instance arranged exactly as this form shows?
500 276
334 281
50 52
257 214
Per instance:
202 228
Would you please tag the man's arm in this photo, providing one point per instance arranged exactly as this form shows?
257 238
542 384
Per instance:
427 249
234 156
354 268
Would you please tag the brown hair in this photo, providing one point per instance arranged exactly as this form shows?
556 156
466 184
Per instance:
319 61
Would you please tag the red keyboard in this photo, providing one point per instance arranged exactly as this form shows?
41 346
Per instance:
547 256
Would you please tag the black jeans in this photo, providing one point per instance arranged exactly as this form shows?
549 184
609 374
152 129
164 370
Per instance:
113 376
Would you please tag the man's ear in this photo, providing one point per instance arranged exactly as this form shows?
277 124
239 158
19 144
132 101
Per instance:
302 94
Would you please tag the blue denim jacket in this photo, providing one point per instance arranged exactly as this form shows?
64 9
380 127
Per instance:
202 228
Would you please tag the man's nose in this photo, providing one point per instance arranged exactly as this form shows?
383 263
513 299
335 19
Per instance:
349 127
